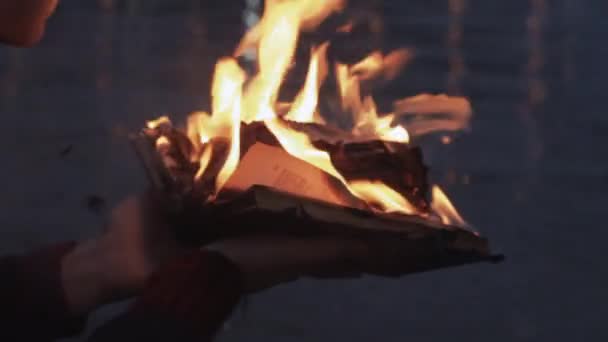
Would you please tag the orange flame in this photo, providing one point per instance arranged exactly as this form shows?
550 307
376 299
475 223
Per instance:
163 120
203 163
298 145
382 195
445 209
365 114
420 111
350 92
370 66
305 105
236 99
227 89
199 128
377 66
306 15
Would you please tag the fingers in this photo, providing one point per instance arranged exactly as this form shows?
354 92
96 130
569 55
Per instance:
274 250
266 261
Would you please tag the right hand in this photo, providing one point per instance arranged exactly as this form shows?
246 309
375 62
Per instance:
266 261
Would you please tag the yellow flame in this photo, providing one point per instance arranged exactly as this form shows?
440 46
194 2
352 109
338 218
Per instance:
161 121
386 131
204 163
298 145
162 143
442 206
305 105
198 128
275 39
350 92
421 113
370 66
394 63
277 47
382 195
226 101
368 125
305 14
377 66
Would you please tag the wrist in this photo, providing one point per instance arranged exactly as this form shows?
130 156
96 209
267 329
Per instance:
86 278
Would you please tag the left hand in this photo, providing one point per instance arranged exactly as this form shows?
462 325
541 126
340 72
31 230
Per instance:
116 265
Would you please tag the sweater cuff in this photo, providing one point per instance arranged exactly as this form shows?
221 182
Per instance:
42 296
198 292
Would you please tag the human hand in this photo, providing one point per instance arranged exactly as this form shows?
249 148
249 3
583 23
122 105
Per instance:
266 261
115 265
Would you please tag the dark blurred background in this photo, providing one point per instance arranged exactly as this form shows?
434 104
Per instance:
531 174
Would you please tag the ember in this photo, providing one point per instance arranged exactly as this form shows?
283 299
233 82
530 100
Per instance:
251 139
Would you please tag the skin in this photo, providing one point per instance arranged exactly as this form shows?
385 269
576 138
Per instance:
138 240
23 22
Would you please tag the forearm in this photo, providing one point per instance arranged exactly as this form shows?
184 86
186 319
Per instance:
86 278
186 300
31 294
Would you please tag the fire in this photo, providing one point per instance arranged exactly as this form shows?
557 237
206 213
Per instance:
377 66
422 110
163 120
227 89
299 145
367 122
204 162
305 105
239 97
305 15
382 195
445 209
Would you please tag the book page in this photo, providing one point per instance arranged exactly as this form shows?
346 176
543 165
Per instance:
273 167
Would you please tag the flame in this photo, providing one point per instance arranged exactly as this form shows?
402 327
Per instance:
305 105
382 195
298 144
388 132
305 14
275 54
445 209
373 127
394 63
349 87
276 36
161 121
198 128
368 124
162 143
370 66
238 97
204 163
422 110
377 66
163 146
226 93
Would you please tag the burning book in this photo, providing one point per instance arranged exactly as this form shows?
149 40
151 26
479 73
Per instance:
256 165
